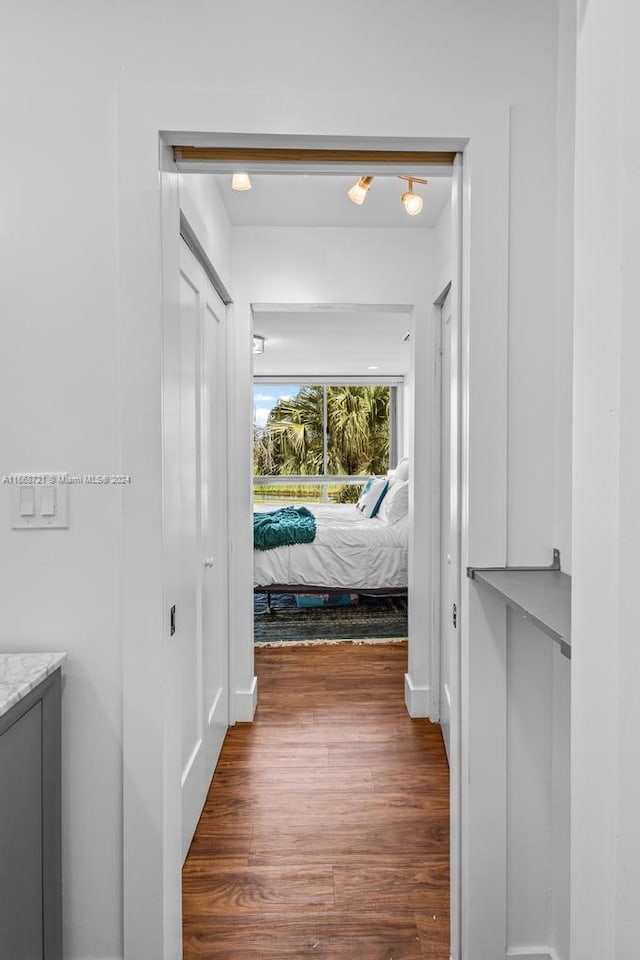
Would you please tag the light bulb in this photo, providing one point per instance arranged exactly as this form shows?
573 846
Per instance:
240 181
359 190
412 203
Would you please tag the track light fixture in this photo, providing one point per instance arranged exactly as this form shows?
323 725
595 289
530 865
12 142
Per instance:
240 181
358 191
411 201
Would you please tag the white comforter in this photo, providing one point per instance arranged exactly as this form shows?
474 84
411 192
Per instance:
349 551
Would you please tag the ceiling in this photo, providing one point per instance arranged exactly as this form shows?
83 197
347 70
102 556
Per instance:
336 343
301 200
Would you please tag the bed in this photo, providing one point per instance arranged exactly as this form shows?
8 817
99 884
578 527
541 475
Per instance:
350 553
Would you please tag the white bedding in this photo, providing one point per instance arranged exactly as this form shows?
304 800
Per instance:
349 551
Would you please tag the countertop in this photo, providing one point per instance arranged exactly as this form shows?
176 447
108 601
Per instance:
22 672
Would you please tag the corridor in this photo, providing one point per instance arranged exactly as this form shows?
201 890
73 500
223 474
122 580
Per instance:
326 829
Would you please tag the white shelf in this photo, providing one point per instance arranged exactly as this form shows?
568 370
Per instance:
540 595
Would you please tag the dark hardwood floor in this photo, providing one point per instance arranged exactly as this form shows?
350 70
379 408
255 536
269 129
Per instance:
326 828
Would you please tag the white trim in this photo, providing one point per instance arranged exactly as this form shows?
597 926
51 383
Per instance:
417 698
324 169
332 307
532 953
330 380
311 479
151 869
483 541
436 505
246 702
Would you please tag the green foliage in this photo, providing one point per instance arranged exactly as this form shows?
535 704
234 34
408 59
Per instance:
291 443
348 493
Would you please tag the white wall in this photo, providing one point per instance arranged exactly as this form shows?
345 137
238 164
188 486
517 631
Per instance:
330 265
443 265
61 590
605 883
203 206
561 668
530 720
539 517
565 133
81 332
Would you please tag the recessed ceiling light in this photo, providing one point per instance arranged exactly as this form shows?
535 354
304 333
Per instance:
373 367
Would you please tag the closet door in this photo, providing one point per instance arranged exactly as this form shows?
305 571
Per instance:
201 616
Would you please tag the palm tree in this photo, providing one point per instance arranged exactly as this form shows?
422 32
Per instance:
358 424
357 433
293 433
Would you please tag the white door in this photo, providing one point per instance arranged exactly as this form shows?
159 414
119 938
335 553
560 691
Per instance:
449 520
201 615
450 540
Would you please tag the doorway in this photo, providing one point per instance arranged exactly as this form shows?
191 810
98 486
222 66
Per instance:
242 686
338 373
273 264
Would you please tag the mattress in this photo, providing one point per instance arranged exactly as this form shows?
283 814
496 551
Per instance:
349 551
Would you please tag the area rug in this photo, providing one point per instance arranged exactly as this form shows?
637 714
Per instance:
372 618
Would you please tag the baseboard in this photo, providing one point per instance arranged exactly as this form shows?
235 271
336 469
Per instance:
532 953
417 699
246 702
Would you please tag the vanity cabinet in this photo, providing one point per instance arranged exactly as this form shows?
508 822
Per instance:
30 829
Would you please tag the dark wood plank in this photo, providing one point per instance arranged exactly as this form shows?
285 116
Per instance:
338 936
212 889
326 829
310 155
434 934
361 887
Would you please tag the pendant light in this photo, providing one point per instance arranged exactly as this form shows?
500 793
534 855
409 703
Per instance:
358 191
240 181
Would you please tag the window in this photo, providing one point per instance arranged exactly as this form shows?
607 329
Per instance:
312 436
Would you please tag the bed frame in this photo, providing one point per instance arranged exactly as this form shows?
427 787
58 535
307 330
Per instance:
336 591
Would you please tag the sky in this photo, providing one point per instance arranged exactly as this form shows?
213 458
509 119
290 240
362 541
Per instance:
265 396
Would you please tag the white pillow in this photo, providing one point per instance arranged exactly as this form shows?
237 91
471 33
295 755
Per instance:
401 473
365 489
369 502
396 503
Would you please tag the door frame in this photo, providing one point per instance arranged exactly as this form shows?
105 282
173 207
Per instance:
151 875
436 495
419 699
453 288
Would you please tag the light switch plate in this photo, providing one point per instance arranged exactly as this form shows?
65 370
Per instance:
49 502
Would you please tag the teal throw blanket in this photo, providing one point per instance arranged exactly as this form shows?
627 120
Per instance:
283 527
